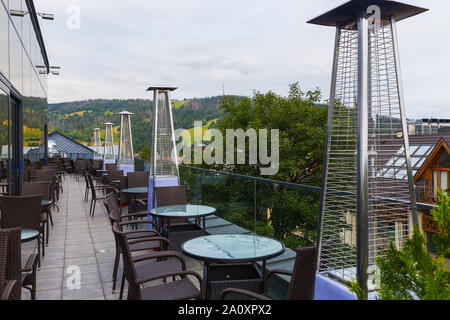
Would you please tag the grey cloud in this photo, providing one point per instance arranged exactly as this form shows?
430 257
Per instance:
123 46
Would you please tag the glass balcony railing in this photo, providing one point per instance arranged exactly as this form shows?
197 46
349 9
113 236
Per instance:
285 211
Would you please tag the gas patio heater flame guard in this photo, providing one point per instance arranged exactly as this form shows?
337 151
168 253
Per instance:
368 195
108 154
126 153
164 156
97 144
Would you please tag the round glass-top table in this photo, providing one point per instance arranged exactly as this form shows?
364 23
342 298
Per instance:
45 203
135 190
233 248
132 192
234 258
181 211
29 235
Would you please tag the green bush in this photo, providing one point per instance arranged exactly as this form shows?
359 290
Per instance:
412 271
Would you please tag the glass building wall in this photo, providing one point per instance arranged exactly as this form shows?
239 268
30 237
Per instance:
23 88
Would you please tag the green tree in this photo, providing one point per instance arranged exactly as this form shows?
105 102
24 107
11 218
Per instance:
301 120
413 271
145 153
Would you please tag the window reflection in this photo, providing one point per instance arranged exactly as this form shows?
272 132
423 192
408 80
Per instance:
4 44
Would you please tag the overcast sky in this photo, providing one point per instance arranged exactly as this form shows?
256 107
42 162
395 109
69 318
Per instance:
122 47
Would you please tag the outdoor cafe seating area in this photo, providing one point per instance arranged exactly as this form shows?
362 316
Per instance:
83 218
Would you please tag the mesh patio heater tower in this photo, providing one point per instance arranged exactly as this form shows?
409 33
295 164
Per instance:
126 153
97 144
108 153
368 195
164 156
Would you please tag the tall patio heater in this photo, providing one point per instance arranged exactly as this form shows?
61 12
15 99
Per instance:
368 195
126 153
97 144
108 153
164 156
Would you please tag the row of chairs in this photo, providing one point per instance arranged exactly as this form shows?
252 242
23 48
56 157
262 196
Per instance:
148 256
29 212
13 276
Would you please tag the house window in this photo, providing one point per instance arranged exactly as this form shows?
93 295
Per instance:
435 182
444 180
440 181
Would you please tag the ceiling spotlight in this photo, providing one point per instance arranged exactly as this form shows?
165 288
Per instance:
18 13
46 16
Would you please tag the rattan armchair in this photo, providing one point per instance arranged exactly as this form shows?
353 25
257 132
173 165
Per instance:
45 175
110 166
42 188
6 287
136 180
94 191
301 286
138 271
24 277
180 229
129 220
24 212
114 175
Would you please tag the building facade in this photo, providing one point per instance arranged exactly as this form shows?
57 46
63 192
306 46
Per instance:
24 68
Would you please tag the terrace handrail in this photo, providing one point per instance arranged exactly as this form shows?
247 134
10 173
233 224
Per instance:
289 184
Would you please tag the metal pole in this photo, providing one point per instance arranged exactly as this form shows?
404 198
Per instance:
327 146
173 137
363 150
131 139
155 133
119 158
46 145
401 100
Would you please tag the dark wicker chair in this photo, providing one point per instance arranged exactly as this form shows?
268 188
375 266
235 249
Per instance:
54 198
6 287
80 166
301 286
110 166
142 269
26 213
137 180
114 175
94 192
114 215
42 188
23 277
45 175
180 230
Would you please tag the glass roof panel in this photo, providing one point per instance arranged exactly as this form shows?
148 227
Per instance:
423 150
413 149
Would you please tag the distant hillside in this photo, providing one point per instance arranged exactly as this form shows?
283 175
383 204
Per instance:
78 119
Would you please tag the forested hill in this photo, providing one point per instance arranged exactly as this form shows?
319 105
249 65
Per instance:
78 119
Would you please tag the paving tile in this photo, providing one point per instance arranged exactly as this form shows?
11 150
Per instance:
80 253
49 284
88 291
49 295
80 261
47 273
51 264
85 279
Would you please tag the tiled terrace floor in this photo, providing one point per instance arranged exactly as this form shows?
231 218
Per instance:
79 240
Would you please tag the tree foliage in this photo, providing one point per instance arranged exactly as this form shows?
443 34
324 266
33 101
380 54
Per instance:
285 212
412 271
